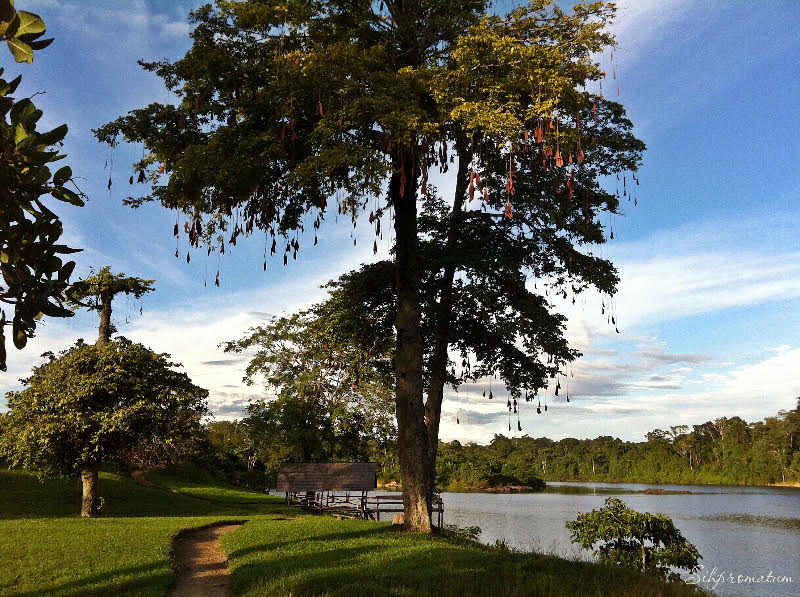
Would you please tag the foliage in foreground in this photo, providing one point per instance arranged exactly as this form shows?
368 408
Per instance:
639 540
34 277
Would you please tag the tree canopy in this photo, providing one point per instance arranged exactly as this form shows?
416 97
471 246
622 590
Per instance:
117 403
34 275
285 106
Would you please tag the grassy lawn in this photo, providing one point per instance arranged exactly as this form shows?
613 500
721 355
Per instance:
324 556
47 550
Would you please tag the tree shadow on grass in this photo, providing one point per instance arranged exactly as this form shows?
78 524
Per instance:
25 496
148 579
384 561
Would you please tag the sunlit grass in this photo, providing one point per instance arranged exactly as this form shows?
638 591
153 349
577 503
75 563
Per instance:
323 556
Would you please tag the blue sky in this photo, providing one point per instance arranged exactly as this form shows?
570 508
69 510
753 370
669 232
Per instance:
710 259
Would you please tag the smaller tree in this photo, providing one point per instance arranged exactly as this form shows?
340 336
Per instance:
93 405
647 542
97 292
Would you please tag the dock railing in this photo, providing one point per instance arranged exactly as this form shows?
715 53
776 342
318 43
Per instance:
393 503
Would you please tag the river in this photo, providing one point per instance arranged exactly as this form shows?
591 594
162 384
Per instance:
743 533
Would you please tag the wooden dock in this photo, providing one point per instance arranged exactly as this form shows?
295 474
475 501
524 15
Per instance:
358 505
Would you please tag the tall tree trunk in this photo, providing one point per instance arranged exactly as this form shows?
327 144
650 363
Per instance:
104 337
444 311
90 502
411 432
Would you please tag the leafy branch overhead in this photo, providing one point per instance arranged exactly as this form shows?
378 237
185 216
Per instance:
34 275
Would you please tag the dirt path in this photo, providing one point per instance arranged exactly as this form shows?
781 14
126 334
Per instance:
200 563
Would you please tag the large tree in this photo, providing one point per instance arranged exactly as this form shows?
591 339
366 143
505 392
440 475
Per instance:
34 276
285 105
93 405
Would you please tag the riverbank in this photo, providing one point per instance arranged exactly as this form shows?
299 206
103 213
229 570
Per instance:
277 550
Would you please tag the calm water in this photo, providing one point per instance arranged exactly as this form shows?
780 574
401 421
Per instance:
738 530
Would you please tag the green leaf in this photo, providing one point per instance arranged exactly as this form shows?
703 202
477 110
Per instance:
20 134
66 195
20 339
22 52
40 44
54 136
66 271
22 109
12 85
62 176
29 24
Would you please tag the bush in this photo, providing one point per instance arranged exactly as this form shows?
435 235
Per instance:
640 540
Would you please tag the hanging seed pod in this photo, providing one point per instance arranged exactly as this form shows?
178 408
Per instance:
457 421
519 425
175 231
109 183
594 109
315 239
375 247
176 254
285 259
491 396
567 397
216 280
509 213
265 265
538 410
559 159
319 109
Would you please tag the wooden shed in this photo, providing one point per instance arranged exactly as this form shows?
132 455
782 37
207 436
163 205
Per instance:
336 487
302 477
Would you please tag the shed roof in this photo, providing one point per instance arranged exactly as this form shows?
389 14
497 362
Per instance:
327 476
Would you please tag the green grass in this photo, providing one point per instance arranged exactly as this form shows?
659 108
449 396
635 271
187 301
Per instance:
324 556
45 549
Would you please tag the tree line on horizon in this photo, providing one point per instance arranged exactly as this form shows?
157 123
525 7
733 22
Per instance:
727 451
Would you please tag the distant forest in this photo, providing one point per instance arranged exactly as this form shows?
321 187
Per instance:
723 451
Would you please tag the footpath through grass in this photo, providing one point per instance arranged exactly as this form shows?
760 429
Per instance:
47 550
